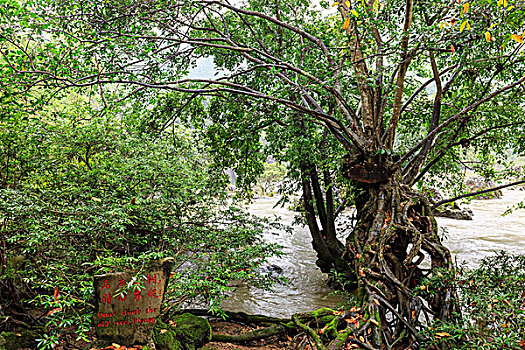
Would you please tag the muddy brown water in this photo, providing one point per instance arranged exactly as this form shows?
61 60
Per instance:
469 241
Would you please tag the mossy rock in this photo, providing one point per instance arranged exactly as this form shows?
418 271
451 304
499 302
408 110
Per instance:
25 340
165 337
189 332
453 211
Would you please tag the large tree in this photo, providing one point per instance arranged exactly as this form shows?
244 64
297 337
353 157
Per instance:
385 92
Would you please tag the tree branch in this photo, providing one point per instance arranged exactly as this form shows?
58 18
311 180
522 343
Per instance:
403 67
444 201
456 117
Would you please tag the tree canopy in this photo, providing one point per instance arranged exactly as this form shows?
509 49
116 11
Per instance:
363 100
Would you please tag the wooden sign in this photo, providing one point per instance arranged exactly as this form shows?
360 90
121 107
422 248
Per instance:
128 303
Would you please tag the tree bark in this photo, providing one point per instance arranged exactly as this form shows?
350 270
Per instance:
394 233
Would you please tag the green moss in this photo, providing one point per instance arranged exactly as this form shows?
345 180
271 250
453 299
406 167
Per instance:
188 333
12 341
165 337
322 312
192 331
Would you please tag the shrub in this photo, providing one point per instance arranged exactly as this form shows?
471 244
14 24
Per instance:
492 299
95 196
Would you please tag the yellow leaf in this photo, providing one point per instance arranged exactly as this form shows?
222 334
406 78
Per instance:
510 7
335 4
487 36
354 13
362 338
347 3
346 24
377 6
500 2
517 38
465 7
374 322
468 26
376 301
163 331
441 25
443 334
96 199
462 27
505 3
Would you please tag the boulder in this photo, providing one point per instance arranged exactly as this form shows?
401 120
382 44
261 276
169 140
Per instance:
453 211
188 332
475 184
165 337
447 210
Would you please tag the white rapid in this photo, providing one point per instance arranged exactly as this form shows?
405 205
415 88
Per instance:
468 241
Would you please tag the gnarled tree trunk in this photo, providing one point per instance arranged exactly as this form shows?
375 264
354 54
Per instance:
394 235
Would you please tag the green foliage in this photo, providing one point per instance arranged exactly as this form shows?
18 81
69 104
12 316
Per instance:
492 305
85 196
308 88
270 180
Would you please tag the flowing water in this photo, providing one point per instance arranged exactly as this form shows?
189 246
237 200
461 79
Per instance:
489 231
468 241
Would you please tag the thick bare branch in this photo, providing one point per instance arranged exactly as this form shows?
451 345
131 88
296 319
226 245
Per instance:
400 82
414 166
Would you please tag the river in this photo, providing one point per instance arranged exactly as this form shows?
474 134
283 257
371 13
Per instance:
468 241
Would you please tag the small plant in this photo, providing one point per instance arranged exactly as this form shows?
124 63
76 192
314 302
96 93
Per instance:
47 342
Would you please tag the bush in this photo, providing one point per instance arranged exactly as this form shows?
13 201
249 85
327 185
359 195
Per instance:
492 305
97 196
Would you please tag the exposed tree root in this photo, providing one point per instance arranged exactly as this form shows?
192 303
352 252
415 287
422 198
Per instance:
321 326
251 336
310 332
238 316
394 235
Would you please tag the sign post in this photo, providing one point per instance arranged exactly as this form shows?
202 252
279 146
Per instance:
126 314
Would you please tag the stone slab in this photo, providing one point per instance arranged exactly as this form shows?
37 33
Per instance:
126 310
